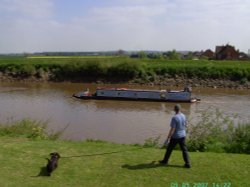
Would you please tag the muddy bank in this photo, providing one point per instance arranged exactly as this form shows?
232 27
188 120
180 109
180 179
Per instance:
158 80
196 82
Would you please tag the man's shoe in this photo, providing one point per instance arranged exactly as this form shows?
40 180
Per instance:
162 162
187 166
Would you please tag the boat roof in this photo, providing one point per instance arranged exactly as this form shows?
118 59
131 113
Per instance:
126 89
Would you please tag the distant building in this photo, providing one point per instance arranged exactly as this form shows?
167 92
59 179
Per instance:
243 56
208 53
197 55
226 52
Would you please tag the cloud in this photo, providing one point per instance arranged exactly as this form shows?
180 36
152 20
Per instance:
128 13
176 24
117 27
28 25
222 11
27 8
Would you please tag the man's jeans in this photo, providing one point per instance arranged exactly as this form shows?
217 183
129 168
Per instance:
171 146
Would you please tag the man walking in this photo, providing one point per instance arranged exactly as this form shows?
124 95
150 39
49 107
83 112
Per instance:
177 134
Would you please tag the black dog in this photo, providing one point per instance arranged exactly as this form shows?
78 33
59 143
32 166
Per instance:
52 163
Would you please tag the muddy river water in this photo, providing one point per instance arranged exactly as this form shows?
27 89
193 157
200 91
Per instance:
115 121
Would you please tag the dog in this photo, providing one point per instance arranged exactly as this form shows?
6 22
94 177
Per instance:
52 162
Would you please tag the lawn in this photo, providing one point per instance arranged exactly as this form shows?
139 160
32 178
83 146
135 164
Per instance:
95 163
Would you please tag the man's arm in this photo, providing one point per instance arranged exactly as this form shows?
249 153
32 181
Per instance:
171 132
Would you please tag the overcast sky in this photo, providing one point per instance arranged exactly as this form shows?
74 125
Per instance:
103 25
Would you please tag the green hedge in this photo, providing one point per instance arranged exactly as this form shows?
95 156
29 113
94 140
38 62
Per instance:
125 68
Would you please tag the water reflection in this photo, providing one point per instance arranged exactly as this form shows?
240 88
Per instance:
133 106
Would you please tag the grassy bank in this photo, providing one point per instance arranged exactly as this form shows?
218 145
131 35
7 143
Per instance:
122 69
105 164
25 145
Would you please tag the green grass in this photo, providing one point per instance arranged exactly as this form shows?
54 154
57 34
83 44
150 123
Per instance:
22 161
72 57
43 60
113 60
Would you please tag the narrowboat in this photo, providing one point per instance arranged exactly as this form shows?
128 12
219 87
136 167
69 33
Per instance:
138 95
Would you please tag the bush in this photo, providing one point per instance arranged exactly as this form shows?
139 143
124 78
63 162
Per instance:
243 81
40 73
94 69
240 142
78 70
29 129
216 132
124 70
26 70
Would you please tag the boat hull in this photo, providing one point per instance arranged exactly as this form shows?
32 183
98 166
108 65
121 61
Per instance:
192 100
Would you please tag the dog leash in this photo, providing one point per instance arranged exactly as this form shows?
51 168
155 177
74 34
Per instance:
100 154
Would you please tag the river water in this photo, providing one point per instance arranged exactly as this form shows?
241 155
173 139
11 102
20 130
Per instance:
115 121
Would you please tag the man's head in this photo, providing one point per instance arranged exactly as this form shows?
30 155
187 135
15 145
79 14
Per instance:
177 108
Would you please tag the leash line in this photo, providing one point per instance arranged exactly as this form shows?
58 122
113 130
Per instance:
99 154
78 156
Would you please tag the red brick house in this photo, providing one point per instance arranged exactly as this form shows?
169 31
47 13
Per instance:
226 52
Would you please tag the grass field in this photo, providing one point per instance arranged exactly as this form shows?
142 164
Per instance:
115 59
72 57
34 60
92 163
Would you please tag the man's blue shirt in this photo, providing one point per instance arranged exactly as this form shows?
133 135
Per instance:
179 123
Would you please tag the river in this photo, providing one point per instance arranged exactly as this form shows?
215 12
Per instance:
115 121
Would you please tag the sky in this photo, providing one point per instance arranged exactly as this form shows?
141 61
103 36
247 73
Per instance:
105 25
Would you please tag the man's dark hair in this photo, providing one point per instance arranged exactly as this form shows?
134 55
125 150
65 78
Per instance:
177 108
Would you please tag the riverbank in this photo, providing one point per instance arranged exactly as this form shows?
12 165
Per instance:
202 73
96 163
158 80
196 83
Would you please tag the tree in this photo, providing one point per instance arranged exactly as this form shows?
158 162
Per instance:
173 55
142 54
158 56
190 56
121 52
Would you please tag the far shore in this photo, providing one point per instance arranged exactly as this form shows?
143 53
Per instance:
159 80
